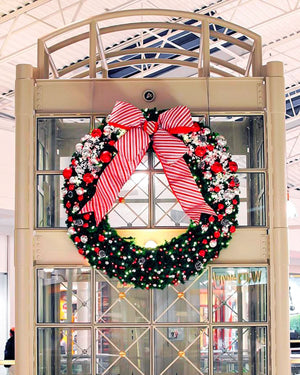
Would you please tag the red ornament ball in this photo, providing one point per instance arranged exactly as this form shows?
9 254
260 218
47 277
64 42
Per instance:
88 178
232 229
67 173
202 253
217 167
200 151
233 166
105 157
96 133
101 238
217 234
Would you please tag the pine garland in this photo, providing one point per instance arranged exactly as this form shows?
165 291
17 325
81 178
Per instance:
174 261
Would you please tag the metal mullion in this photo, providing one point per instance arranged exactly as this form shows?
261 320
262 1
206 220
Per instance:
151 219
210 319
45 172
64 325
251 170
183 324
152 343
239 324
93 319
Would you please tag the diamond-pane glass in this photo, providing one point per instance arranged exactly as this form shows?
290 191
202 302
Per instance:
239 294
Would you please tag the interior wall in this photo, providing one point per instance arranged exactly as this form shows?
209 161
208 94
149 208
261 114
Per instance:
7 169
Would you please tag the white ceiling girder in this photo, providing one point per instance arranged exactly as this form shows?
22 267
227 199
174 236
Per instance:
23 10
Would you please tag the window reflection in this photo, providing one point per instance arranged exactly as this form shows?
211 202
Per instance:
245 138
123 351
57 138
64 351
239 294
63 295
240 350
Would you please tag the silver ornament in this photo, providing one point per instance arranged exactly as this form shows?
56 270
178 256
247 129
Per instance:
79 191
71 231
86 154
79 170
221 141
142 261
79 222
64 191
228 210
198 265
207 175
228 195
204 228
78 147
225 222
84 239
213 243
102 254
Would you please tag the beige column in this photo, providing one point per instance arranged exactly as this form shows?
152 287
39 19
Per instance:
279 258
25 355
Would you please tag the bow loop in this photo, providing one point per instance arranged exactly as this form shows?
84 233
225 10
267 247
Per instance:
177 120
126 116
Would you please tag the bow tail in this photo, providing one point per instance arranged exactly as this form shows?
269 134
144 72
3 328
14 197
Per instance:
186 190
170 151
131 147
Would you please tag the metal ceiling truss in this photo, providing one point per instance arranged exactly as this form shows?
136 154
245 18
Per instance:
185 41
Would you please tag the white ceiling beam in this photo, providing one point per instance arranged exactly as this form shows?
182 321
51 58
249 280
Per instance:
23 10
284 14
282 40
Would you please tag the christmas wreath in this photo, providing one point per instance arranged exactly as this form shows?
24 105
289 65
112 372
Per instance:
201 175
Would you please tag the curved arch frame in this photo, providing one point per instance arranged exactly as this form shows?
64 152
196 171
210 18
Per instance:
204 64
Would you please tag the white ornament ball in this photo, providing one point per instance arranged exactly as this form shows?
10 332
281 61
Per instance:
71 231
84 239
78 147
213 243
79 191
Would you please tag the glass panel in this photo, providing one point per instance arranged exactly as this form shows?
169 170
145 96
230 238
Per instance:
63 295
50 211
123 351
64 351
240 350
183 303
181 350
239 294
118 303
167 211
57 138
245 138
252 209
131 208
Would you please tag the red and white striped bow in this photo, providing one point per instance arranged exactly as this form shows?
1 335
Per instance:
132 147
